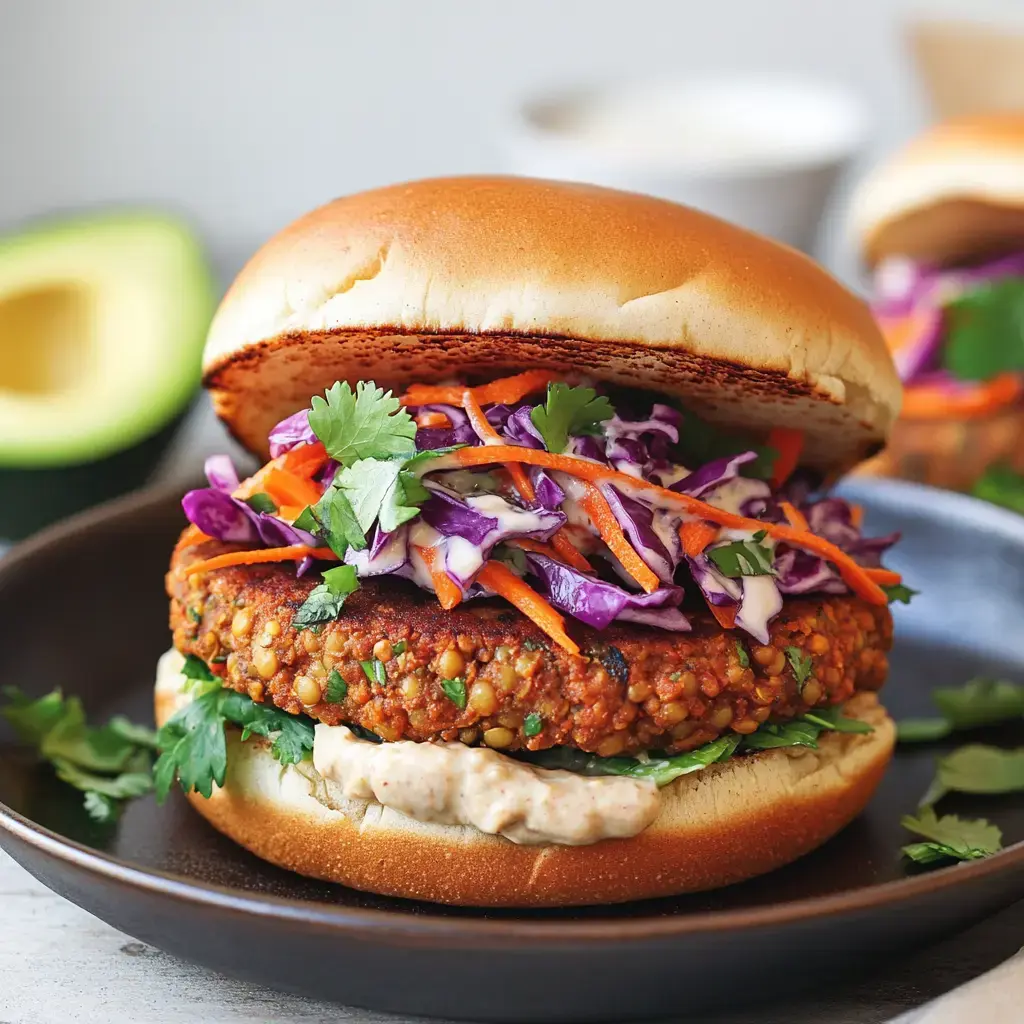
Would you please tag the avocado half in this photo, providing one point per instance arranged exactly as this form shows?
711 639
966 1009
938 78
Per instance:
102 325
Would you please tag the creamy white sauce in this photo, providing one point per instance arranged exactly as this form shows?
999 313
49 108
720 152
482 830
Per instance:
452 784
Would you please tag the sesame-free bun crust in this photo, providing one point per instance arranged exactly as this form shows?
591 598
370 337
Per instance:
724 824
477 277
953 194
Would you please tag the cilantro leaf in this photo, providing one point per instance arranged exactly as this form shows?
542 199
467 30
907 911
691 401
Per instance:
325 602
337 688
195 747
380 489
922 730
374 671
950 837
367 424
898 592
455 691
567 411
533 724
741 655
1002 486
261 502
333 519
985 331
108 764
743 558
980 702
977 768
802 665
197 669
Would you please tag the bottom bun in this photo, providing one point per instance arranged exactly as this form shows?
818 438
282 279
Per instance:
724 824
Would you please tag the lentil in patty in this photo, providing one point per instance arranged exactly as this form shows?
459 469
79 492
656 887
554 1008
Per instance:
483 673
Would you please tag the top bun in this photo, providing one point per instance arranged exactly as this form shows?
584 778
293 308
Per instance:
953 194
477 277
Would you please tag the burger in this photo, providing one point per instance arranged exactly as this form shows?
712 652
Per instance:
538 598
941 224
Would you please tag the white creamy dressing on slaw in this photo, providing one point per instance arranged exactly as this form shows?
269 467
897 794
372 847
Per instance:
452 784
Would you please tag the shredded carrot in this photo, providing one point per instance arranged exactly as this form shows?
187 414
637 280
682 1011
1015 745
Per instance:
433 419
884 577
554 551
520 480
292 553
288 489
568 553
447 590
193 535
789 444
291 512
795 517
504 582
725 614
506 390
306 460
696 535
857 515
594 472
601 515
967 401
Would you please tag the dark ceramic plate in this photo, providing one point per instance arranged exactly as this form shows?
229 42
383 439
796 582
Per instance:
82 607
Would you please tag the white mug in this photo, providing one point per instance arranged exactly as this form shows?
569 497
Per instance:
762 151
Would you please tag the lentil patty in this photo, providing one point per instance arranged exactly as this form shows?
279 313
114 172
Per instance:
633 687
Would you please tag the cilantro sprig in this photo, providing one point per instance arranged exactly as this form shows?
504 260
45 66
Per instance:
325 602
568 410
950 838
108 764
899 592
802 665
194 743
369 423
979 702
1001 485
985 331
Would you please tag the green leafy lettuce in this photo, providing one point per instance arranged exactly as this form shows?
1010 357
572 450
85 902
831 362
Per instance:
744 557
985 331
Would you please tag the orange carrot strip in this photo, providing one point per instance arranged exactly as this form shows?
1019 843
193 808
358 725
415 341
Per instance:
193 535
506 390
504 582
594 472
291 512
433 419
568 553
795 517
601 515
857 515
789 444
982 398
884 577
447 590
552 550
696 535
523 484
306 460
292 553
288 489
725 614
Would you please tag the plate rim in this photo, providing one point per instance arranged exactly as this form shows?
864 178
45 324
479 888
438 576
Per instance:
400 924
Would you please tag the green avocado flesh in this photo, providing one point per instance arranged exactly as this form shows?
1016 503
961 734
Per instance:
102 324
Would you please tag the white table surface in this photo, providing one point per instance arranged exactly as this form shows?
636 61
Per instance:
59 964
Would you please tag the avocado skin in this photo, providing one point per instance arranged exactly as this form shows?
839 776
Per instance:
34 498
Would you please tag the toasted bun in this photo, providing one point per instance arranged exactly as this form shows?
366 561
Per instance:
954 193
483 276
724 824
